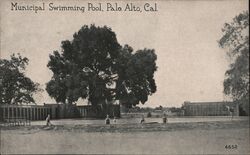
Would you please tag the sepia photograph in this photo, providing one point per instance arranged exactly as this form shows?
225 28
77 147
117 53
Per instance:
124 77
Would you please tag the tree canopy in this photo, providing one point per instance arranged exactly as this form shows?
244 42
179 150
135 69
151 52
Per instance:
96 67
236 40
15 87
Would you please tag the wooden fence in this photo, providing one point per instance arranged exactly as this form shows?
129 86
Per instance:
28 112
19 113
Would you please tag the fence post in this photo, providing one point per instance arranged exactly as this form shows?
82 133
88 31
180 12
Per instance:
37 113
32 113
3 113
12 112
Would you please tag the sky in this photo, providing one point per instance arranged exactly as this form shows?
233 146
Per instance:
184 34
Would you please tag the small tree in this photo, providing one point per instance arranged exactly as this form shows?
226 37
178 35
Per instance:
15 87
236 40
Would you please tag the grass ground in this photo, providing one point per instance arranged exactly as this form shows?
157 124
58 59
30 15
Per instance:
211 137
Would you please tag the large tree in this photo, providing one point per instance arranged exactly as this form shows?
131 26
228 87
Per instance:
236 40
96 67
136 76
15 86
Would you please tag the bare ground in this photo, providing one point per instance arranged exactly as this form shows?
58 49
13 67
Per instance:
152 138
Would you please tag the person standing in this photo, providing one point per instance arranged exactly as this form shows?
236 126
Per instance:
164 118
142 119
114 119
107 120
48 120
231 111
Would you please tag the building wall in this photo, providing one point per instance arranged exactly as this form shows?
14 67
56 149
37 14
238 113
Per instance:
209 108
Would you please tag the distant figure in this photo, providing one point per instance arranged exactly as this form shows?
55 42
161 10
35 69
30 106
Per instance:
107 120
48 120
142 119
164 118
114 120
231 111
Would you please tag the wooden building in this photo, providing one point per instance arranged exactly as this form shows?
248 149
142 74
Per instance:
210 108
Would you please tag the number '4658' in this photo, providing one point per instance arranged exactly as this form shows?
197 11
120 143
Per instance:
231 146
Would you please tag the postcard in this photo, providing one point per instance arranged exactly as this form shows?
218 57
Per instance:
124 77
